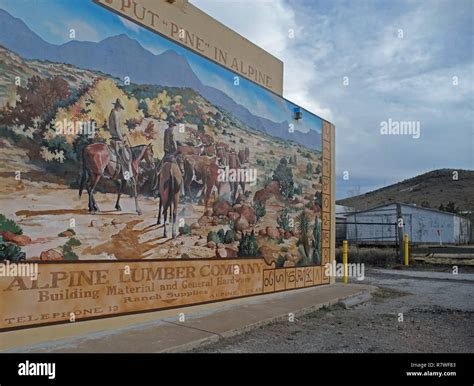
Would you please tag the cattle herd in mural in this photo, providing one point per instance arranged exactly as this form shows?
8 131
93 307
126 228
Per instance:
98 166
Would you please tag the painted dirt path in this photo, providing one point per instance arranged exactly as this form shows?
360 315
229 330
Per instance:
44 210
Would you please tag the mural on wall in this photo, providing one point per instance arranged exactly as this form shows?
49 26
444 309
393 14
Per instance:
127 146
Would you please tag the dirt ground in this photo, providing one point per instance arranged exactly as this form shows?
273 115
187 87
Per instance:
44 210
438 315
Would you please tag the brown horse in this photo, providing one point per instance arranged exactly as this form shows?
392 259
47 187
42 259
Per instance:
201 169
169 185
97 163
235 164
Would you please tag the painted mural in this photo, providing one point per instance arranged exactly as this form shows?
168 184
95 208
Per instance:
143 175
235 173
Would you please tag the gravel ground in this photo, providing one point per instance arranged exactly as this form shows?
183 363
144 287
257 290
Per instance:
438 316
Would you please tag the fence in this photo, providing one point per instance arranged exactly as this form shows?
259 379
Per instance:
375 227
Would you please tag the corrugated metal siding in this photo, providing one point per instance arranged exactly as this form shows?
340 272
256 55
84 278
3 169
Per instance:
426 224
421 225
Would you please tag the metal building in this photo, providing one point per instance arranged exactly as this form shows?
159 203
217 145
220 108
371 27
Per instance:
423 225
341 212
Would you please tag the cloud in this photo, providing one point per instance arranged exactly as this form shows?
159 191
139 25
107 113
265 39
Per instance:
130 25
404 60
274 27
83 30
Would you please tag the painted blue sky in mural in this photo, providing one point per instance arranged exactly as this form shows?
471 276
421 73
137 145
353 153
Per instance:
94 23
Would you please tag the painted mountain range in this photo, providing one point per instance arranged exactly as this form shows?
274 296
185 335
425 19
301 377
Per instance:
166 69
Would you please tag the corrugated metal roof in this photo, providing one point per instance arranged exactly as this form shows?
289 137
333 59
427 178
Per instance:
405 204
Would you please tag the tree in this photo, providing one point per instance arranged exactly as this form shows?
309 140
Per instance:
259 209
201 127
284 176
144 107
39 98
283 220
248 246
316 242
309 168
302 221
318 198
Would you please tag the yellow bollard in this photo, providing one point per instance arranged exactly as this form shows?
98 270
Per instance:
344 261
405 242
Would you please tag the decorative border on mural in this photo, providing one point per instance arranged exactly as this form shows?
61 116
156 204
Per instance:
326 197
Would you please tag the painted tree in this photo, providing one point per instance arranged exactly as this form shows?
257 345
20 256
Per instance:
38 101
284 175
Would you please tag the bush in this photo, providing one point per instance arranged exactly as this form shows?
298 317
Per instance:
10 252
377 257
212 236
283 220
309 245
67 249
284 176
298 189
185 229
316 243
221 235
70 255
63 234
39 98
72 242
318 199
248 246
259 209
9 225
280 261
229 236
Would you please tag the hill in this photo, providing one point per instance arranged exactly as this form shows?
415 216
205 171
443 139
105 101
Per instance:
13 66
168 68
431 189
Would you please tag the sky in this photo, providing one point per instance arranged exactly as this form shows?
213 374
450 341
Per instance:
405 75
53 19
356 63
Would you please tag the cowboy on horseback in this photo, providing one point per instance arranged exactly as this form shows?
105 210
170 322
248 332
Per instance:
170 149
122 149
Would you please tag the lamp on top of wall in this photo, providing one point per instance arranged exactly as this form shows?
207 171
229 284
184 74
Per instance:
298 113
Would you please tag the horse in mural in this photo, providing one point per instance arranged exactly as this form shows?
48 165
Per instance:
236 165
98 160
202 170
169 185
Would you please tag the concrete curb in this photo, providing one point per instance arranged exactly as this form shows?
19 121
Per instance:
352 300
